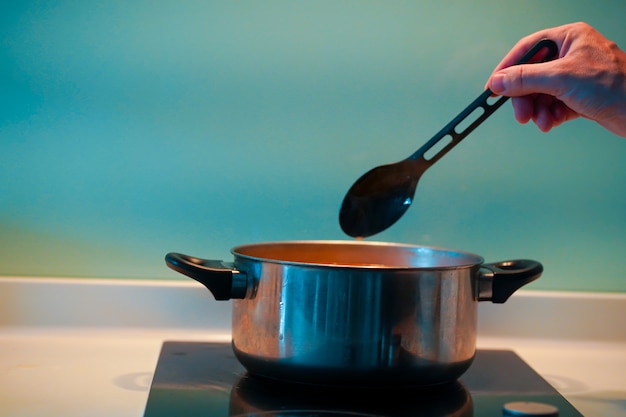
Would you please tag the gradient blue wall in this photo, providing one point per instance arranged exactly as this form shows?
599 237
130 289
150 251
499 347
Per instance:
129 129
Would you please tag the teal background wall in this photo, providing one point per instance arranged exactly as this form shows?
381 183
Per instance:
129 129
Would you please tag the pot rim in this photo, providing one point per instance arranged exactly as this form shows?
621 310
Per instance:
357 254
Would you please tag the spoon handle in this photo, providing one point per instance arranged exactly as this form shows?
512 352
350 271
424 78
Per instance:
449 131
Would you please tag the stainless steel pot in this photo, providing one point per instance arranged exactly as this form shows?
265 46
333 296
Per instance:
355 312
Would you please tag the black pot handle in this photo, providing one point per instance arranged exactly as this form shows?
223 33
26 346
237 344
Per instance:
499 280
221 278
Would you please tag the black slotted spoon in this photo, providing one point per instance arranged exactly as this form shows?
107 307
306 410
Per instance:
382 195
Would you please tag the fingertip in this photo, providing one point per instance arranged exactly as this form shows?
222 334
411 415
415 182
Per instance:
543 120
521 118
544 128
498 84
544 116
523 108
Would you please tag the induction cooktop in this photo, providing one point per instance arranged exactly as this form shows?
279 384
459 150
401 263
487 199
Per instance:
205 379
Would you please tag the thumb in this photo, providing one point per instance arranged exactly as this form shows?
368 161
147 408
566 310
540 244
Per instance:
521 80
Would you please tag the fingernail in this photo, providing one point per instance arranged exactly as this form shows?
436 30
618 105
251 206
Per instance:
498 83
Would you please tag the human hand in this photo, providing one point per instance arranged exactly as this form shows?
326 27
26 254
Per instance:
588 79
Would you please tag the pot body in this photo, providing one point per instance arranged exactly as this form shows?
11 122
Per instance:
350 314
354 312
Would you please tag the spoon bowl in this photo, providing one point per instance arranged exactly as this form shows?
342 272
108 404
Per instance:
382 195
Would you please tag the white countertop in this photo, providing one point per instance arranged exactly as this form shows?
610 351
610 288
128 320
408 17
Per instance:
87 347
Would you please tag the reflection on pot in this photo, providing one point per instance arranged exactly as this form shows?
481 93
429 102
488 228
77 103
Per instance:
254 396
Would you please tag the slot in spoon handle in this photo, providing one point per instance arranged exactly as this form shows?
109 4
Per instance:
450 129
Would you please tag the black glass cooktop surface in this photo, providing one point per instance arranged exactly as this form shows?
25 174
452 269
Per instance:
205 379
